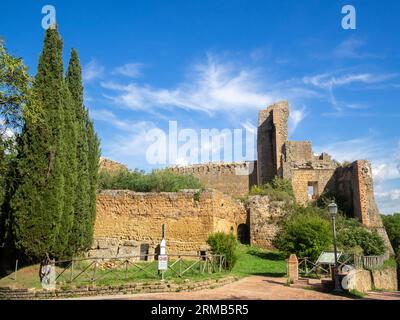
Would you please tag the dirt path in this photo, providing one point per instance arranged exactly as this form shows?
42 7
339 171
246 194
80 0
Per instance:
254 287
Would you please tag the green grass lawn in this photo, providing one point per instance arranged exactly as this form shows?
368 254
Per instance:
251 261
256 261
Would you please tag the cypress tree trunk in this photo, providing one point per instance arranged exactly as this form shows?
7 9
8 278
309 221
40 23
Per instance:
78 235
38 203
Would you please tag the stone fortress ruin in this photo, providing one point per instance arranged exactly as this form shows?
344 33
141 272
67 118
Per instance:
129 222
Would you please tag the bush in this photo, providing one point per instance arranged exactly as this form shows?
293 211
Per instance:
351 236
156 181
226 244
305 233
392 226
277 190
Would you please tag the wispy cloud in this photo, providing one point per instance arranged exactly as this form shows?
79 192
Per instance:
295 117
329 80
92 70
350 48
210 87
132 70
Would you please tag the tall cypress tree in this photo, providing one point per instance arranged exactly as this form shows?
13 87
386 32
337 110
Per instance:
38 203
69 158
78 235
94 158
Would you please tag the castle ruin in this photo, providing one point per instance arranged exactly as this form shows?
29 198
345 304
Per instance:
130 222
310 175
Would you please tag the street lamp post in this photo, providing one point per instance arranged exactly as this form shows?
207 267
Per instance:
333 211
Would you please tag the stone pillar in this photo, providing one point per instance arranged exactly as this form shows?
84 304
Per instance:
293 269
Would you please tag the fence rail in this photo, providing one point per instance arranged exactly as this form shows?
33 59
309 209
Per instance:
100 269
306 266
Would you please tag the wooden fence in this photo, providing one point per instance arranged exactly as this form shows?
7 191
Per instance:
135 267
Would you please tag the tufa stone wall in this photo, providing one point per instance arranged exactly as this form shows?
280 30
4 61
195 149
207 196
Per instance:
126 220
353 186
382 279
264 216
234 179
110 165
272 133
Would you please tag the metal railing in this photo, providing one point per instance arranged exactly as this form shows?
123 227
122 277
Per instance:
369 262
129 268
307 266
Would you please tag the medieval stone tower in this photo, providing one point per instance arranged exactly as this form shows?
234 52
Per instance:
272 134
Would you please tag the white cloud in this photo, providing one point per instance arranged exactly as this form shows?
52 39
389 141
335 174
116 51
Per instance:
210 87
350 48
295 117
388 201
328 80
112 119
131 70
92 70
385 162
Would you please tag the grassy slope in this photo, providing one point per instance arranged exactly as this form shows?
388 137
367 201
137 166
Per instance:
256 261
251 261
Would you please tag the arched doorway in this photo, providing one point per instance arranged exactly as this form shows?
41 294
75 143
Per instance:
243 233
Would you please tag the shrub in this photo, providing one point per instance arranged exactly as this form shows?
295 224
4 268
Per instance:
305 233
352 236
226 244
392 226
157 181
277 190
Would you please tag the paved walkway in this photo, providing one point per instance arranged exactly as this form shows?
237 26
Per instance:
254 288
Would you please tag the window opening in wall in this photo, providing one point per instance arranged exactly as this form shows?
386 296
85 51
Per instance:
144 251
312 190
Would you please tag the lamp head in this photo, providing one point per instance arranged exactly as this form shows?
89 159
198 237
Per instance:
332 209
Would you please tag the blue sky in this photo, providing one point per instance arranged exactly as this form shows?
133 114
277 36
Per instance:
214 64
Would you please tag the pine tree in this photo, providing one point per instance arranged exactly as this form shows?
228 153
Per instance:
78 235
38 203
94 158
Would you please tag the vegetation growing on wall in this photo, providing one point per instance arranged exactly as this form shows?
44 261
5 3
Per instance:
157 181
277 190
392 225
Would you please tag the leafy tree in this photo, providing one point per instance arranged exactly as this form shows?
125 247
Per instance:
82 189
392 225
306 234
226 244
38 203
14 88
352 236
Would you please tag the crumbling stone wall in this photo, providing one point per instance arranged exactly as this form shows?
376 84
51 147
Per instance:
264 217
272 133
234 179
110 165
353 186
303 168
127 219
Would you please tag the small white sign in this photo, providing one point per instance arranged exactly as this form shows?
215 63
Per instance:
162 262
